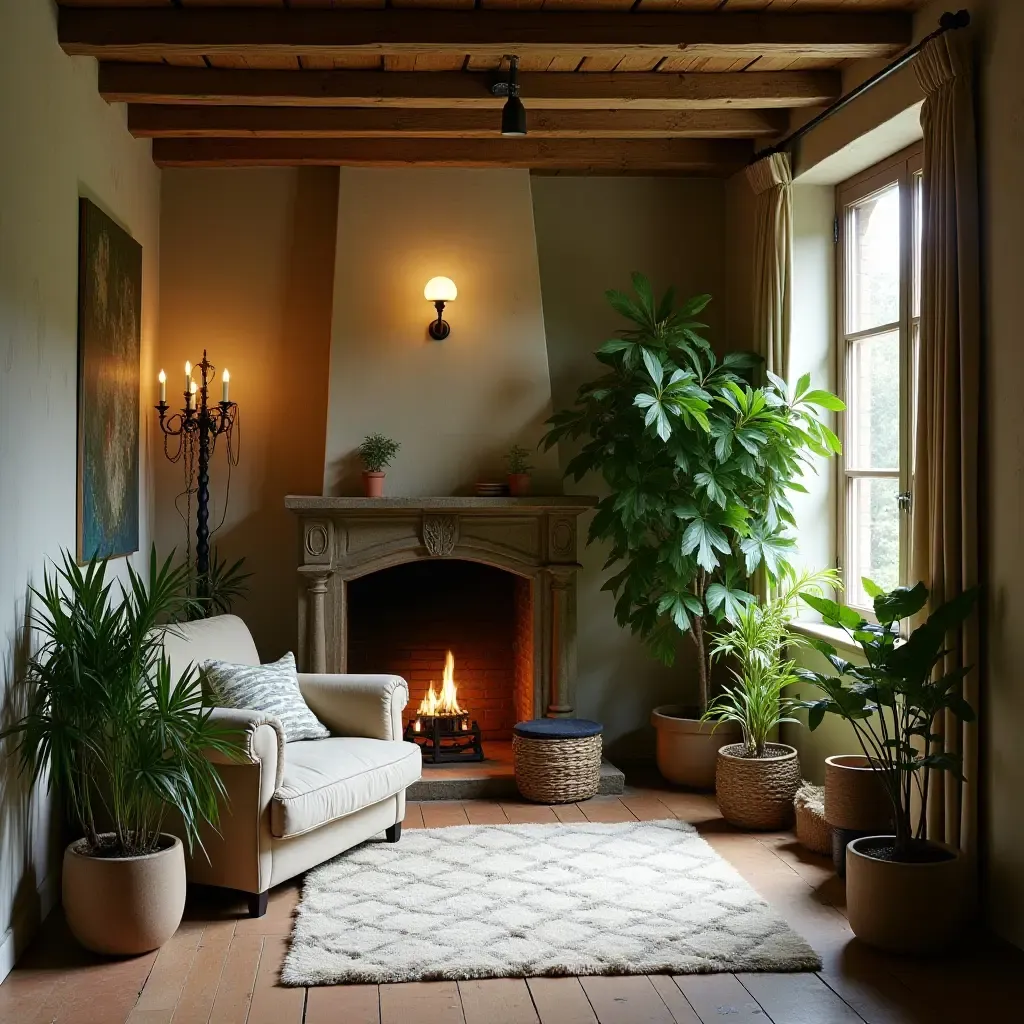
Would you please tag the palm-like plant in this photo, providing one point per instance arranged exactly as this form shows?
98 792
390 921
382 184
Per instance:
757 643
122 741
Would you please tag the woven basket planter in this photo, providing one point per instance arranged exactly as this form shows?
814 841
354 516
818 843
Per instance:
757 792
813 832
557 771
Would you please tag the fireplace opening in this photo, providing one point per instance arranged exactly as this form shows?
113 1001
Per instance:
461 634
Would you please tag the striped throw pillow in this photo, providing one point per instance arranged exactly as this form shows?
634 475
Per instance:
272 689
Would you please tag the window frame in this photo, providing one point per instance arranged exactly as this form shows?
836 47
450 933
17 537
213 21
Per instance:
903 168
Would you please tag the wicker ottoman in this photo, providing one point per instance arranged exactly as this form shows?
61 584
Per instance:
557 760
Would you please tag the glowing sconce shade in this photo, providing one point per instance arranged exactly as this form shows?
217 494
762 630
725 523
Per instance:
440 290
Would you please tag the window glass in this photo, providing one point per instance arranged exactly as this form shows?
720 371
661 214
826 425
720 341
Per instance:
873 397
874 261
874 541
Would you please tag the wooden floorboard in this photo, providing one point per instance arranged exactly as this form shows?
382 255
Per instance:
223 967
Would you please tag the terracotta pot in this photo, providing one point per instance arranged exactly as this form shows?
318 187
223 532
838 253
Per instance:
757 792
854 795
374 484
124 905
519 484
687 748
905 908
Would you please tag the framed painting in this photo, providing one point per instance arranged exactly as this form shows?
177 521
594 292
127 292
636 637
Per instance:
109 342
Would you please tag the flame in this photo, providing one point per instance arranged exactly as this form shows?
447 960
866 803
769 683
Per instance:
445 702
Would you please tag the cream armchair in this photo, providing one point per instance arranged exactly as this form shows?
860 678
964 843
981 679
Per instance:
293 805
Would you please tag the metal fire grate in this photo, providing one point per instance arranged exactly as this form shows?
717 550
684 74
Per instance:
446 739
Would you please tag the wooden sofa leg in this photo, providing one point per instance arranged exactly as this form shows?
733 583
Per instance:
258 903
394 833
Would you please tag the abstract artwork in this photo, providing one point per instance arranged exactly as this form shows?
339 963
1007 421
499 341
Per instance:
109 336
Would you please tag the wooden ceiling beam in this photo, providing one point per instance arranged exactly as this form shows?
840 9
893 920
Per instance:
709 157
165 121
151 33
161 83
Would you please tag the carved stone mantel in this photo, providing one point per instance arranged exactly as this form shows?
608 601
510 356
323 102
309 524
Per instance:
341 539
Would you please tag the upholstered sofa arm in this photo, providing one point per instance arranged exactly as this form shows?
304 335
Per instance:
357 705
259 736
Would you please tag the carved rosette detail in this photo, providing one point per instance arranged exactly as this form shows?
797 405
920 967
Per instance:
562 539
440 535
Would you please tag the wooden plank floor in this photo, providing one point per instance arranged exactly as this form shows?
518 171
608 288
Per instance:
222 968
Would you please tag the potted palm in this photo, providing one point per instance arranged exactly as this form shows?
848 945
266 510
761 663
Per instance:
904 892
517 461
756 780
377 453
699 466
123 744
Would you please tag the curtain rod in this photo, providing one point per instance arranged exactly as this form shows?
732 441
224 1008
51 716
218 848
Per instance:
948 22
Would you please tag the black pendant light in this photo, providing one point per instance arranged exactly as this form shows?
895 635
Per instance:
513 114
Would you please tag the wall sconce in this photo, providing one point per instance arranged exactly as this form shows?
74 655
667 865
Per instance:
439 290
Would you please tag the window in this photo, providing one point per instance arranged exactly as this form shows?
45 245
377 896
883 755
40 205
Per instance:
878 221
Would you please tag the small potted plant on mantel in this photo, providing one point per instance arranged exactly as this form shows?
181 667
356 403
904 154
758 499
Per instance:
124 745
518 471
699 465
377 452
904 892
756 780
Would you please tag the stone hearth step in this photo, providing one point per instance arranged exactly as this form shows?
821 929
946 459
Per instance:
491 779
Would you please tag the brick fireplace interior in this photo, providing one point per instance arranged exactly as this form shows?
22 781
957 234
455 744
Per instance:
404 619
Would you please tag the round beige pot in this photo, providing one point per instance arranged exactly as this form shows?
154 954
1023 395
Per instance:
687 748
854 795
373 484
905 908
124 905
757 792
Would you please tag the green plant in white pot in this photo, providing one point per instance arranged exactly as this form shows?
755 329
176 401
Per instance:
904 892
699 466
123 744
757 779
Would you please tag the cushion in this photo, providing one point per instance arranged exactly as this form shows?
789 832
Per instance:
331 778
558 729
272 689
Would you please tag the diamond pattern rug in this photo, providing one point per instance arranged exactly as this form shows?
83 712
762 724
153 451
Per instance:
498 901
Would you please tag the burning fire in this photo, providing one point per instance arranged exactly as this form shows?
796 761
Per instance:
443 703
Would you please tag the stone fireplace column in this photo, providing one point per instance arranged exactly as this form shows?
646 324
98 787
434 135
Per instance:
316 620
563 638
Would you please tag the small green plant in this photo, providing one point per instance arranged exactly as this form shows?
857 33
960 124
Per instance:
378 452
893 699
120 739
516 460
757 643
214 592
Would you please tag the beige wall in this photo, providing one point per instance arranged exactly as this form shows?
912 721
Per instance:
246 272
591 233
60 141
455 406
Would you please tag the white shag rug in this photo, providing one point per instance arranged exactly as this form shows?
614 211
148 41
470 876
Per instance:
500 901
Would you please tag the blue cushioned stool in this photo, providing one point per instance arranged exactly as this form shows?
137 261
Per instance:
557 760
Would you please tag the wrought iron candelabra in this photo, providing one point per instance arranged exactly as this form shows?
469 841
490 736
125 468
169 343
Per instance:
197 427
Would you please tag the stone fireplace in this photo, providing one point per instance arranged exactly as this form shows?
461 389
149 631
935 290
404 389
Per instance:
391 585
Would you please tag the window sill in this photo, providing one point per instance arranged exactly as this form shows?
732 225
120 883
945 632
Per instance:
838 638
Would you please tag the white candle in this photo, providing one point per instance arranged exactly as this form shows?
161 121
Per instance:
224 389
192 395
188 376
163 386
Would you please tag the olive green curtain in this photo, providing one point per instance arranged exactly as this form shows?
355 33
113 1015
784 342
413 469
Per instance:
945 487
771 178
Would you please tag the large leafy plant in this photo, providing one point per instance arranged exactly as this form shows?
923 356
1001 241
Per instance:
758 646
123 741
699 465
893 699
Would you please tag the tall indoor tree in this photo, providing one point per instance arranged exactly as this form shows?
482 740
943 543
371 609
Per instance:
699 464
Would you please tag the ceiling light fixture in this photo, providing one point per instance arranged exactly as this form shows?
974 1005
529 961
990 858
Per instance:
513 114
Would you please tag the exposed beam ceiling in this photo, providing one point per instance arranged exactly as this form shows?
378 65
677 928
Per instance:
718 157
160 83
157 32
161 121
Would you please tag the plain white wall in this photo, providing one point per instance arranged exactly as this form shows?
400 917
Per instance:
60 141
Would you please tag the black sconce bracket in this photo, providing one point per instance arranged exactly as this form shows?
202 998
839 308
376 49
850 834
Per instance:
439 328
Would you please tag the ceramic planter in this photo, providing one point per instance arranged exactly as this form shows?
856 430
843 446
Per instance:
757 792
519 484
124 906
901 907
856 804
687 749
373 483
